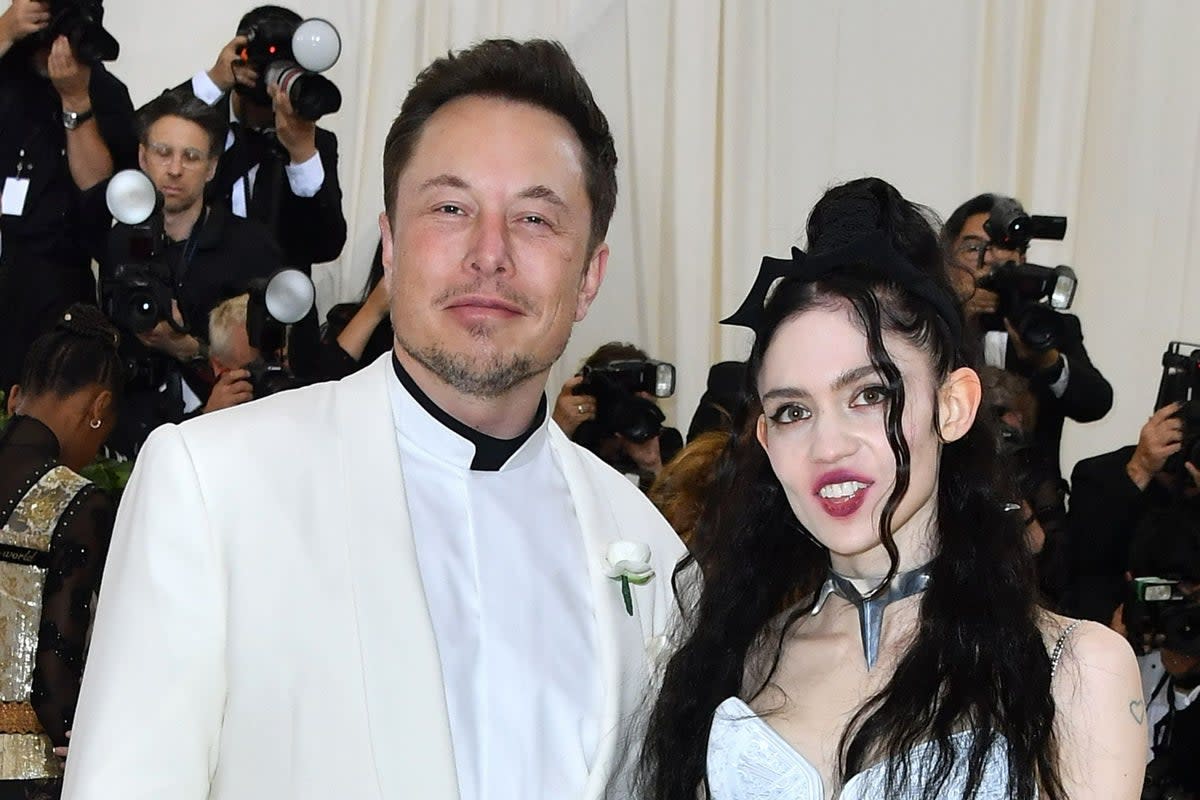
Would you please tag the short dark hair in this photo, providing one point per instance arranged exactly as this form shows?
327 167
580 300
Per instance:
183 104
263 13
80 351
979 204
538 72
611 352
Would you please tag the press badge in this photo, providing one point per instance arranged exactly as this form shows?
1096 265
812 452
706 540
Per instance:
15 190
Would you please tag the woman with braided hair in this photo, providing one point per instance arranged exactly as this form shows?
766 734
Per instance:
863 498
55 534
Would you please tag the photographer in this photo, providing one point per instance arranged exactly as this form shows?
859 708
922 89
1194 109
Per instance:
275 166
1110 497
1060 374
207 255
609 408
229 353
66 124
1161 619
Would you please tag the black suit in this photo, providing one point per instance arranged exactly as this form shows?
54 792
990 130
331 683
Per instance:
1106 507
1087 397
309 230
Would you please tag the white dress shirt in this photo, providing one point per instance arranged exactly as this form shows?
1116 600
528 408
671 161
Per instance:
503 565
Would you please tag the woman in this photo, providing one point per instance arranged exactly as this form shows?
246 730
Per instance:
56 528
917 662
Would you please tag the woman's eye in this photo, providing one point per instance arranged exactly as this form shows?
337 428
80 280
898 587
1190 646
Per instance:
789 413
871 396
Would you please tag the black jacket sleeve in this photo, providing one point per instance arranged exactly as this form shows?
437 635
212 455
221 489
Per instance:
1104 511
312 230
77 553
1088 396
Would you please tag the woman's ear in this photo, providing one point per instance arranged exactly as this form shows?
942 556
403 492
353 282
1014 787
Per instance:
13 394
958 402
760 431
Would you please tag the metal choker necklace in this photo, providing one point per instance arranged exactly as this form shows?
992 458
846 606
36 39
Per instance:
870 609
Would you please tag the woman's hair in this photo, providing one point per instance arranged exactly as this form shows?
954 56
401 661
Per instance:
80 351
978 660
684 483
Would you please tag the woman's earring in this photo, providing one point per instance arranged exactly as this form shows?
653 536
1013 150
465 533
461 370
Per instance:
95 424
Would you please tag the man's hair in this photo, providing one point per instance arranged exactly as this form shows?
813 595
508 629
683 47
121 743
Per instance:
615 351
262 13
222 322
979 204
182 104
537 72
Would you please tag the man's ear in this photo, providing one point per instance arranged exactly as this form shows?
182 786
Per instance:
386 253
142 158
589 284
958 402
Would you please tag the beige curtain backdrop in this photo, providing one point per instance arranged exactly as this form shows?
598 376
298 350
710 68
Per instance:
732 117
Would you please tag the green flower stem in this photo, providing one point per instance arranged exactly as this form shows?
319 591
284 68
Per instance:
626 595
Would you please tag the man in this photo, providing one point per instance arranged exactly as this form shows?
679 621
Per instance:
1063 380
625 429
398 585
210 255
1110 496
229 353
275 166
65 124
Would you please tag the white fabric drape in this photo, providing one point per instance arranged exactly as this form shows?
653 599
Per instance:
731 117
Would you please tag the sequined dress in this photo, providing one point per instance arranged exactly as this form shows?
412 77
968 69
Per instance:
54 537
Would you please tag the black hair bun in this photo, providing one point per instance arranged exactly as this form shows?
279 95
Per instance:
87 321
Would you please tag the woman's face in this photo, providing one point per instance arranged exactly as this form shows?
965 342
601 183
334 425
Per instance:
823 423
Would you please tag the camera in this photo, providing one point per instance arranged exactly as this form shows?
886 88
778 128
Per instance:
290 56
79 21
275 303
1180 377
1022 287
619 407
1158 611
137 293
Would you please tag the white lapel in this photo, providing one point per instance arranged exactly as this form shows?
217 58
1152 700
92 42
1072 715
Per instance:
406 708
619 636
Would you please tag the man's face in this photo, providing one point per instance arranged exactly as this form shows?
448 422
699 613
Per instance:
175 155
974 255
487 258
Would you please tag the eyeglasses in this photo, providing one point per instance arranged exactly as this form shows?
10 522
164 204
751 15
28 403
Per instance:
164 154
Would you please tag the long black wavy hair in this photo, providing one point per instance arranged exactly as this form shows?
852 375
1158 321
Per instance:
978 659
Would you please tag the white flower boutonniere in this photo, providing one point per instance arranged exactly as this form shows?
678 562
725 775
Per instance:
628 562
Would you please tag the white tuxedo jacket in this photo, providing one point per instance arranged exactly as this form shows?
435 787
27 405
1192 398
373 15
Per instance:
262 629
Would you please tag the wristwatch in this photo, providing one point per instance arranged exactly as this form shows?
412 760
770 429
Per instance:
73 119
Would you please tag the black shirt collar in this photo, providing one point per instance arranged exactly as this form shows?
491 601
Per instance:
490 453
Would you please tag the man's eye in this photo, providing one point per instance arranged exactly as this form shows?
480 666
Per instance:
449 208
789 413
534 219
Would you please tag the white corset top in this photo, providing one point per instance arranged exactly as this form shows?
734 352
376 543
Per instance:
749 760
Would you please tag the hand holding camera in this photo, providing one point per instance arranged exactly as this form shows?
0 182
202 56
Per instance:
70 76
1160 438
231 389
23 18
171 338
297 134
223 72
571 409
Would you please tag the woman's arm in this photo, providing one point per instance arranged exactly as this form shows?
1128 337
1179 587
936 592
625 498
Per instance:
1101 716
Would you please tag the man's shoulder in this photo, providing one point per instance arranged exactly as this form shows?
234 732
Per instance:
1105 463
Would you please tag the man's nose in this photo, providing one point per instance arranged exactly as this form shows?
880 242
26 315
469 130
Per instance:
489 247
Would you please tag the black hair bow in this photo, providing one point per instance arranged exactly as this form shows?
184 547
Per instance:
874 249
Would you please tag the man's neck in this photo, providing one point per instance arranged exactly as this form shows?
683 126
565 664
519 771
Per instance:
503 417
178 225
